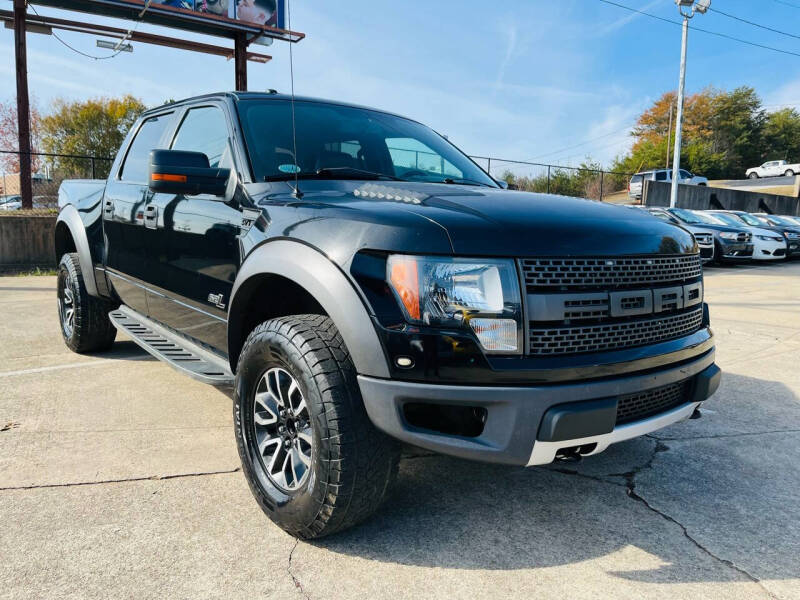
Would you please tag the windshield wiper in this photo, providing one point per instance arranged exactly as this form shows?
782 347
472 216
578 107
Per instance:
352 173
462 181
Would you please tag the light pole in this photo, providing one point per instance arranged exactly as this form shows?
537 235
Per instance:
701 6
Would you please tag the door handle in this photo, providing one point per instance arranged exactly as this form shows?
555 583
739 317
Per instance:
108 208
151 216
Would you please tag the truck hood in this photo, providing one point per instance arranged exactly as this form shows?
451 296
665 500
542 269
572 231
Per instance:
494 222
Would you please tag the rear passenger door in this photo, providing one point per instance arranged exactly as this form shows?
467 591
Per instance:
196 252
127 258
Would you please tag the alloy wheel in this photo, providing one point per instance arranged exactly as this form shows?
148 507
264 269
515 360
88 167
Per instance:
283 433
66 305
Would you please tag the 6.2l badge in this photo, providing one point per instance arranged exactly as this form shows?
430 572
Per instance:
217 300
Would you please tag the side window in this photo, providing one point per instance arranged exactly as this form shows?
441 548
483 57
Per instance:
661 176
685 174
137 163
412 155
205 130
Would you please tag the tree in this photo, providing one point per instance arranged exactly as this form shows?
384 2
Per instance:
9 135
95 127
724 133
737 125
782 136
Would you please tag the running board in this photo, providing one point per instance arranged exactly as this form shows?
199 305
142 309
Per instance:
172 348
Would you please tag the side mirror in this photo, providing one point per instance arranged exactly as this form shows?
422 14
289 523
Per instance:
502 183
188 173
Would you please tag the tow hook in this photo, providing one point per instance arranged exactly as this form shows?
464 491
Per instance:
696 414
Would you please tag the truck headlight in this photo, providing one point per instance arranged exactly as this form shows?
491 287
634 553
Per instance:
729 235
479 294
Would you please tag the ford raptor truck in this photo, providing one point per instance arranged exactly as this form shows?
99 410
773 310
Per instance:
360 283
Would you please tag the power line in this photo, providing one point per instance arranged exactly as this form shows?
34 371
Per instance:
754 24
787 3
716 33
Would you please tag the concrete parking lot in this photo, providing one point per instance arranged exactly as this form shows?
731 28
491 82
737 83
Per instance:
119 478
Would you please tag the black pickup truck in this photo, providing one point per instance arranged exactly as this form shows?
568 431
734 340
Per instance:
360 282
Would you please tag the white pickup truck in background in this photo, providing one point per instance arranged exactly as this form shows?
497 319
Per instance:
774 168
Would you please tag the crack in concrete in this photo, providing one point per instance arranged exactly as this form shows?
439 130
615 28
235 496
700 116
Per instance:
106 481
630 489
295 580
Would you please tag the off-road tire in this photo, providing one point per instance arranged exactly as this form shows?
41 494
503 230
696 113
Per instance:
353 465
91 330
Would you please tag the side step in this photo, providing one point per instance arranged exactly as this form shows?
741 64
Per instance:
180 353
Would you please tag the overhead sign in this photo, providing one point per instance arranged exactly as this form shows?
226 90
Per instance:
259 12
215 17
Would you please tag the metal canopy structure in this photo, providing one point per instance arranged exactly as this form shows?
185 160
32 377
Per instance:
175 18
242 32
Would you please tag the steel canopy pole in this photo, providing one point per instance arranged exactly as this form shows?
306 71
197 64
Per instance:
23 105
676 160
240 60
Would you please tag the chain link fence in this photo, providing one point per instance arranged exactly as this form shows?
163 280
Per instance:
581 182
49 170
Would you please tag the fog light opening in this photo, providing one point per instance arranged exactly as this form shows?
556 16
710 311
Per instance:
463 421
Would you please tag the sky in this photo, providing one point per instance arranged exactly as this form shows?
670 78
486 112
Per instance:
553 81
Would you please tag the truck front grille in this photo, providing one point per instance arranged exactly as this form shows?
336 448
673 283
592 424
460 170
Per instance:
613 336
642 405
599 304
608 273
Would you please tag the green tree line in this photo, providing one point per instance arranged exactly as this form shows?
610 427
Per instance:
724 134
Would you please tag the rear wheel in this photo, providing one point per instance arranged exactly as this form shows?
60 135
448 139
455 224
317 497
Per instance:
313 459
85 325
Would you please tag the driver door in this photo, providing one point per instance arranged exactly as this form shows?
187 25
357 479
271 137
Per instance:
196 252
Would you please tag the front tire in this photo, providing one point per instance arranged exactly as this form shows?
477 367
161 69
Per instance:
314 461
753 176
789 173
85 325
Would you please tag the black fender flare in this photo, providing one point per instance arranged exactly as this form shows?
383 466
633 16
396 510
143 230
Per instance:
70 217
320 277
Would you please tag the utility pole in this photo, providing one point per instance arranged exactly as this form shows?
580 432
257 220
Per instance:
701 6
669 136
23 105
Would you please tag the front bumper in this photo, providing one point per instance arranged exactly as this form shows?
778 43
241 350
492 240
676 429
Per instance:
527 425
736 251
707 253
769 250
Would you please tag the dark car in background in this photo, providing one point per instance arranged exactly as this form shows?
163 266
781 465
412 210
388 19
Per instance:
731 244
704 237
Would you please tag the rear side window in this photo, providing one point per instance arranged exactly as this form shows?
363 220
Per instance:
205 130
661 176
137 163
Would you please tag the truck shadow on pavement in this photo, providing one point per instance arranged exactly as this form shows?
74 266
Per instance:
705 500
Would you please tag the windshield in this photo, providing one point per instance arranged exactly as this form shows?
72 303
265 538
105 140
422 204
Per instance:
348 143
751 220
688 216
729 219
795 221
782 221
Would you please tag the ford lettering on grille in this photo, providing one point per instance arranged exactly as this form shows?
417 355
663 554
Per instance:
578 305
